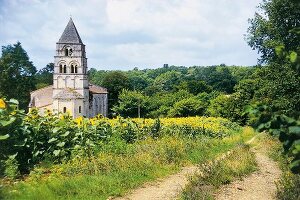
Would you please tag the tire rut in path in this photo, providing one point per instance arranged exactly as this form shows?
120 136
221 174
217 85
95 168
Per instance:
261 185
258 186
166 189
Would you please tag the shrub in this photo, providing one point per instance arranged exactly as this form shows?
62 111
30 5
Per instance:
12 168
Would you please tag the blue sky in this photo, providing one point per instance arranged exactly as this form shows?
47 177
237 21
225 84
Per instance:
123 34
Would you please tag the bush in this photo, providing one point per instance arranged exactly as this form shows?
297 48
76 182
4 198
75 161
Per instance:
187 107
289 187
12 168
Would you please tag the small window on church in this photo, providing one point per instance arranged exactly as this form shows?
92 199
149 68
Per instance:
65 69
79 109
65 109
76 71
60 69
66 52
72 69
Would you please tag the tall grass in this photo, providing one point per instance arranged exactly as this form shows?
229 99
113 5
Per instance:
239 163
288 187
119 167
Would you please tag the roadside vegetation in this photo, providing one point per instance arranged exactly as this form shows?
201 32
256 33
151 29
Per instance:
239 163
57 157
288 185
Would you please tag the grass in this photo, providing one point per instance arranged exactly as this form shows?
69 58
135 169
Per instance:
120 167
288 187
238 164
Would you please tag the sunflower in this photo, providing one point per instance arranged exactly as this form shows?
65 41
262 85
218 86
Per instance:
2 104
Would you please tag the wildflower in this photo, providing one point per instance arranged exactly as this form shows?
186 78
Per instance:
92 121
79 121
2 104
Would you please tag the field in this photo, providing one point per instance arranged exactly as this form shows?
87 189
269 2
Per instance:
99 157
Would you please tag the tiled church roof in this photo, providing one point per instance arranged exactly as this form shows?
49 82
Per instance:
68 93
97 89
70 34
43 97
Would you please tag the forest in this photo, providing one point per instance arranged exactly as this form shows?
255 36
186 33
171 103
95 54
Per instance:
159 119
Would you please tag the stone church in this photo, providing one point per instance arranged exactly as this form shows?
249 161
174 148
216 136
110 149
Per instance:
71 92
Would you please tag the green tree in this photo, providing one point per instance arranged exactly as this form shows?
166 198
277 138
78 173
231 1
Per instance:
17 74
138 82
96 77
279 88
160 103
187 107
44 77
275 25
131 104
275 33
166 81
194 87
228 106
220 78
115 82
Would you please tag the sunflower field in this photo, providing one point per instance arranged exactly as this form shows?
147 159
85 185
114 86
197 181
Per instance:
28 139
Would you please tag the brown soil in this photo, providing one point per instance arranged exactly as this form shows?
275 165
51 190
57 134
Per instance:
261 185
165 189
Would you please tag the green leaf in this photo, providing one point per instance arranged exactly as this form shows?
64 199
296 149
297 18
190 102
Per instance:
13 156
295 166
294 130
56 152
6 123
293 57
14 101
56 129
279 50
61 144
287 120
4 137
296 147
52 140
65 134
38 152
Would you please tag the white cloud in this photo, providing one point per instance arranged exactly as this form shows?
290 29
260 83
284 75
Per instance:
121 34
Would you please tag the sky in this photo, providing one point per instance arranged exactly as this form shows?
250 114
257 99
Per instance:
123 34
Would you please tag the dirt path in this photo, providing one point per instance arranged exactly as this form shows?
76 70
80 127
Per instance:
166 189
258 186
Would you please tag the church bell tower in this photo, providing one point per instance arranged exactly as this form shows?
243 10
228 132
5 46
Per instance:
70 80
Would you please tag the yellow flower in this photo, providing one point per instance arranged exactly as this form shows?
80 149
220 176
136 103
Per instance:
2 104
92 121
79 121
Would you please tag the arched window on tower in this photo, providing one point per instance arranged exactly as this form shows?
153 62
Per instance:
79 109
65 69
66 51
60 69
72 69
76 69
65 110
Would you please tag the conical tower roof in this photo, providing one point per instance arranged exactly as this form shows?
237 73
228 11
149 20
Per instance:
70 34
